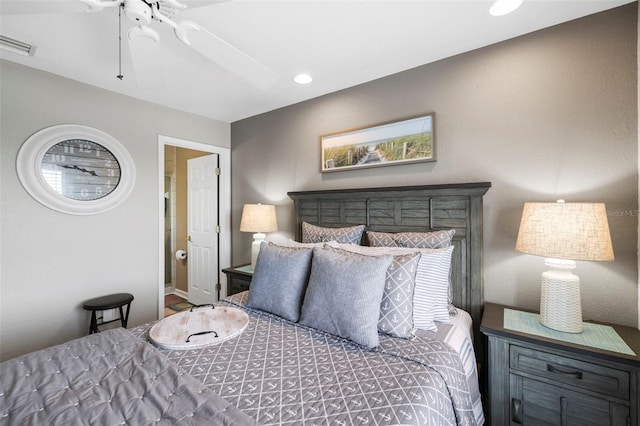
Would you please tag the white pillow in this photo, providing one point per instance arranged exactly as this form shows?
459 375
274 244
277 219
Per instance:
288 242
431 295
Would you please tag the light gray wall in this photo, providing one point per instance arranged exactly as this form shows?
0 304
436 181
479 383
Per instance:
51 262
549 115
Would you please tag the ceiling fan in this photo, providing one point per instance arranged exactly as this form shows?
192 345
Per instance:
144 41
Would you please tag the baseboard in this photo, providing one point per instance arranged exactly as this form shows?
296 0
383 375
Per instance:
181 293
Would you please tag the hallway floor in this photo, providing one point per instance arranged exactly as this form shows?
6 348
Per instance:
171 299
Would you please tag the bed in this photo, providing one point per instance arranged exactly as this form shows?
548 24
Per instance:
281 371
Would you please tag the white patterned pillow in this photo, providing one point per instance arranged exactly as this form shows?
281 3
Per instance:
319 234
431 295
432 240
396 308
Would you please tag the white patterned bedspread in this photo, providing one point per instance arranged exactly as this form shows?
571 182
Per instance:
279 372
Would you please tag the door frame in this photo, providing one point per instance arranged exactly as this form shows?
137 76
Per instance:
224 207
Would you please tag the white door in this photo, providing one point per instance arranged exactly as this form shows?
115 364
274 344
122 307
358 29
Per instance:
202 224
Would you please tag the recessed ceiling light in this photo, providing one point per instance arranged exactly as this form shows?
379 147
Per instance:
302 79
504 7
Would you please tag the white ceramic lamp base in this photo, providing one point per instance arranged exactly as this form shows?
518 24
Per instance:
258 238
560 306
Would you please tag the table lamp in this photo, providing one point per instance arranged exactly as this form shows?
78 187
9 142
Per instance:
258 218
563 233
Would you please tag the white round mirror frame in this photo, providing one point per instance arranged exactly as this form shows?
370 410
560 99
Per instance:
29 168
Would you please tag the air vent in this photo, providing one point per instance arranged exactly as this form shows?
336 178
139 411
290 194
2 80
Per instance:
17 46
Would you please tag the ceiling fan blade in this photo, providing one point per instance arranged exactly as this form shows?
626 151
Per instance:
146 57
191 4
224 54
37 7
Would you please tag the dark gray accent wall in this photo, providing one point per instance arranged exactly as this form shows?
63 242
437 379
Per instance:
548 115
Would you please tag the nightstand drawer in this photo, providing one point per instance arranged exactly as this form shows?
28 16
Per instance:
238 279
569 371
237 285
537 403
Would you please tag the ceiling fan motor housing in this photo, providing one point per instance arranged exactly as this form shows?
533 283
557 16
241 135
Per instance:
138 11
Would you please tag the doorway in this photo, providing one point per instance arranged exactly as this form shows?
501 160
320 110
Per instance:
173 278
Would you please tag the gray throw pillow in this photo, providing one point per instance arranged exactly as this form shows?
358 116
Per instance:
432 240
280 280
396 308
344 294
318 234
432 281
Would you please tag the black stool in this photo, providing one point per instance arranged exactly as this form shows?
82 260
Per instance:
104 303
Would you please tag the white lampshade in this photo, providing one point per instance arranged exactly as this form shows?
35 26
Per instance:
576 231
564 232
258 218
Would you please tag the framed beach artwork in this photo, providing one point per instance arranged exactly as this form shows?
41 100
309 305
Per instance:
388 144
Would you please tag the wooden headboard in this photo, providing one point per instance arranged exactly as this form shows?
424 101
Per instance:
412 209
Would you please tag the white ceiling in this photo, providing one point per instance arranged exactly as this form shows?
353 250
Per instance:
340 43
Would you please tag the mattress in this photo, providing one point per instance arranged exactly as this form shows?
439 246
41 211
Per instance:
279 372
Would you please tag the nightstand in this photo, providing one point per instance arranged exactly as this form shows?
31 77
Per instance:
533 379
238 278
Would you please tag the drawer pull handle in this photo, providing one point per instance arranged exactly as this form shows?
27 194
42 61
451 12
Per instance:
573 374
516 411
563 411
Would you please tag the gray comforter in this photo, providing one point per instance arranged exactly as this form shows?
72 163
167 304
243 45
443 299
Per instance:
278 372
275 372
110 378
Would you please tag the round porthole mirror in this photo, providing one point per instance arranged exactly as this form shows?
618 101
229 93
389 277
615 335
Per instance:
75 169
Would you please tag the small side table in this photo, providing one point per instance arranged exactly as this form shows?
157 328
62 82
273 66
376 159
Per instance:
532 379
238 278
104 303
